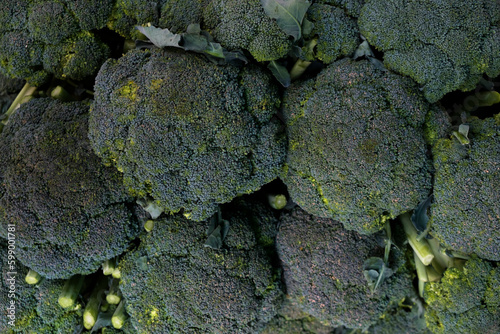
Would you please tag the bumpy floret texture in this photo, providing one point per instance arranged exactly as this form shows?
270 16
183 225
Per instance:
182 132
337 34
323 271
351 7
39 38
466 210
356 147
243 24
465 300
231 290
71 213
174 15
443 45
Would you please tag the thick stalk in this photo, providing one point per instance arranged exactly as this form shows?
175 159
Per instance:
119 317
70 292
94 302
421 248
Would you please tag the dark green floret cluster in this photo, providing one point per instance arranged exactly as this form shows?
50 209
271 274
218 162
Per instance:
39 38
249 167
356 146
443 45
69 211
185 132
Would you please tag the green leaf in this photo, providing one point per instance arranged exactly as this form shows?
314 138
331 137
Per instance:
160 37
288 14
462 134
215 49
280 73
216 232
375 272
419 218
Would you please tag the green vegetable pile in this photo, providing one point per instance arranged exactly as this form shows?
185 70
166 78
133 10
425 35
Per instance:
250 166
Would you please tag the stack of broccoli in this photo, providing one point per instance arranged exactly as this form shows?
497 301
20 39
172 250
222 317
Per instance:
252 166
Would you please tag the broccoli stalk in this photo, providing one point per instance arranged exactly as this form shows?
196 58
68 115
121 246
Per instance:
114 295
108 267
120 316
70 291
421 248
93 304
32 277
277 202
24 95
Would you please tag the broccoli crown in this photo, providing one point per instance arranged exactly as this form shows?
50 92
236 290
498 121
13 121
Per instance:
466 210
182 130
69 211
323 271
337 34
38 38
232 290
356 146
465 300
174 15
351 7
243 24
443 45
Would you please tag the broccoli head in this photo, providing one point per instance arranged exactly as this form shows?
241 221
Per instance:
323 271
70 212
466 210
466 299
356 145
186 132
337 34
443 45
243 24
351 7
39 38
173 284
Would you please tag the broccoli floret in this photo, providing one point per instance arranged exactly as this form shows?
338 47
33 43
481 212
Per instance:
465 215
40 38
443 45
404 317
356 148
70 212
466 300
337 34
323 270
232 290
182 132
352 7
243 24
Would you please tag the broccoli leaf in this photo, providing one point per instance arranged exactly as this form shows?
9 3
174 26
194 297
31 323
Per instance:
288 14
462 134
280 72
160 37
375 272
217 231
419 217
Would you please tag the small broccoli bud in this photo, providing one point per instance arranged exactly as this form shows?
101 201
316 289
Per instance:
114 295
32 277
149 225
108 267
93 304
120 316
70 291
421 248
277 202
117 273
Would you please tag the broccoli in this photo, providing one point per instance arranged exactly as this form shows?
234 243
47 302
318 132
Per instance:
232 290
351 7
466 300
184 131
243 24
323 270
174 15
337 34
39 38
356 145
443 45
465 215
70 212
8 90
